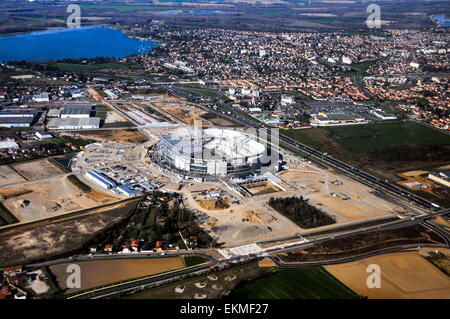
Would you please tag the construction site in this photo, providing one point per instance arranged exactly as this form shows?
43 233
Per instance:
227 192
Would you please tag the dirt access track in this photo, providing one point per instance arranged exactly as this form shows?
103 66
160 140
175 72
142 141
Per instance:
403 275
50 198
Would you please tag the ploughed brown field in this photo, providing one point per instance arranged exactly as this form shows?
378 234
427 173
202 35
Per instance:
101 272
403 275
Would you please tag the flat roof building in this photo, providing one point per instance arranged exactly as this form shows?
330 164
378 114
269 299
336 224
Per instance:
8 144
76 111
17 118
100 179
42 97
54 113
128 190
331 119
73 123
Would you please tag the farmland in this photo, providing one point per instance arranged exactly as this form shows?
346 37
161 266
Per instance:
404 275
380 148
365 138
360 139
304 283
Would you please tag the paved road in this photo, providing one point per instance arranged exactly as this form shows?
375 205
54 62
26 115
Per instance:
382 251
132 284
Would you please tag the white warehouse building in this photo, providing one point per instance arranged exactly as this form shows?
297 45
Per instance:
100 179
74 124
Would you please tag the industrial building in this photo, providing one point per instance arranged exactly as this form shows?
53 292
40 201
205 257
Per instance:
100 179
76 111
331 119
42 97
383 115
54 113
210 152
17 118
440 177
43 135
74 123
8 144
127 189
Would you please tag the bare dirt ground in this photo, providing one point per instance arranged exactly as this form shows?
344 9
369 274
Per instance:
213 204
262 188
351 201
403 275
101 272
42 241
50 198
36 169
9 176
223 122
95 95
114 117
242 223
119 135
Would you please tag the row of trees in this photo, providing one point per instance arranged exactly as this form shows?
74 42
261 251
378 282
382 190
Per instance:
433 152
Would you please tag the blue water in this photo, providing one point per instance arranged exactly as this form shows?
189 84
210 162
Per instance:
204 12
85 42
443 21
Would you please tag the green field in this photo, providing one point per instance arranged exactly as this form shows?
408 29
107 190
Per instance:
65 139
300 283
87 67
360 139
194 260
101 111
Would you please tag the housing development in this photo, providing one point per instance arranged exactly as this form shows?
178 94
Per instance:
239 150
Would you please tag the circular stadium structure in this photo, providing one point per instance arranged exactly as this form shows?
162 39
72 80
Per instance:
211 152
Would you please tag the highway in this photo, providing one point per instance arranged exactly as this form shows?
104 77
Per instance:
355 173
116 288
323 157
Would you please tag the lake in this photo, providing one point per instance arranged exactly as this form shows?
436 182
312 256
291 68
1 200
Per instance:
85 42
442 20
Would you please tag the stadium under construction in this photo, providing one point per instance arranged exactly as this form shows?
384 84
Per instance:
213 153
